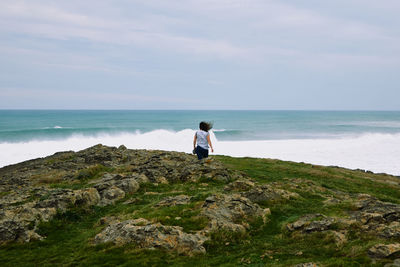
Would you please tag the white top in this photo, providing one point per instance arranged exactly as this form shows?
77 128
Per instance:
202 138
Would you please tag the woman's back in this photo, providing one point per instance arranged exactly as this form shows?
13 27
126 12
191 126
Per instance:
202 139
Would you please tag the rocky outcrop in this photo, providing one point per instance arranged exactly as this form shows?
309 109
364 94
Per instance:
384 251
240 185
173 201
267 193
26 198
259 193
150 236
231 212
224 212
377 217
308 264
112 188
35 191
311 223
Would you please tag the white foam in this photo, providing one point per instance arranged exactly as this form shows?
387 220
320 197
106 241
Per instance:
374 152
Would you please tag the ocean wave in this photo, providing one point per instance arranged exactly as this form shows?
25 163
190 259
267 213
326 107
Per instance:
374 152
374 124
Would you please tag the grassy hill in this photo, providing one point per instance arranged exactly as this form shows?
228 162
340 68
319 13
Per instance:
328 216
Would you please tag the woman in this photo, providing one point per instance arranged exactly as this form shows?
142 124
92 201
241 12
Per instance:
202 138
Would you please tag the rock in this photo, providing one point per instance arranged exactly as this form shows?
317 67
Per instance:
377 217
129 186
268 193
369 205
231 212
395 263
390 231
10 231
308 264
90 197
340 237
150 236
140 178
107 220
240 185
174 200
161 180
383 251
111 195
311 223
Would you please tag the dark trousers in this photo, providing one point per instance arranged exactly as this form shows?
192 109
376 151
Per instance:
201 152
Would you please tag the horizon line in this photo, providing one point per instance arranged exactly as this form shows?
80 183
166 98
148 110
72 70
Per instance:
82 109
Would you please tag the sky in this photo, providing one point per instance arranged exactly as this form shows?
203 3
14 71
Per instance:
200 54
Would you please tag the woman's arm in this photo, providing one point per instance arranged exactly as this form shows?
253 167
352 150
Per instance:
194 141
209 142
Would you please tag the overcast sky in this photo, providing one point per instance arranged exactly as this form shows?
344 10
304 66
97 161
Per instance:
200 54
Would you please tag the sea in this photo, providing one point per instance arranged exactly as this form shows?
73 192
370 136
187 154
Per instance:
367 140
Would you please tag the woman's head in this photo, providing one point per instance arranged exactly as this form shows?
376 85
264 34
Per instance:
205 126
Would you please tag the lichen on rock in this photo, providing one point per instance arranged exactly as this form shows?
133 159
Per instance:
231 212
152 235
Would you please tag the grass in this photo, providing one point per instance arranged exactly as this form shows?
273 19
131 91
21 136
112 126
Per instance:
69 235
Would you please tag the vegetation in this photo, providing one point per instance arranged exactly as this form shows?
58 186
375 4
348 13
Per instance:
69 235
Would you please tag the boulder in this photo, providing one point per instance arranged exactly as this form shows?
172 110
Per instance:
173 201
395 263
384 251
268 193
231 212
240 185
111 195
308 264
150 236
311 223
390 231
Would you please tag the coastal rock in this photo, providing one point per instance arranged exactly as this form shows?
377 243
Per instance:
373 210
268 193
111 195
173 201
340 237
390 231
240 185
395 263
384 251
311 223
19 223
377 217
308 264
89 197
147 235
16 231
113 187
231 212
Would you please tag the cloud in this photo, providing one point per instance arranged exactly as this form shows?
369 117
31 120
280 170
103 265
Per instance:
224 29
50 22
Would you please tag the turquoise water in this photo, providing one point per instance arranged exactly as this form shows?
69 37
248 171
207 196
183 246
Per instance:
28 125
367 140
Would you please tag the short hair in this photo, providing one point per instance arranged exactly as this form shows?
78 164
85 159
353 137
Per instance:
205 126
